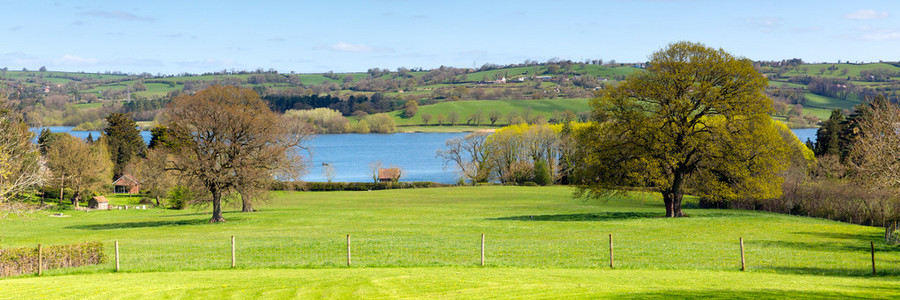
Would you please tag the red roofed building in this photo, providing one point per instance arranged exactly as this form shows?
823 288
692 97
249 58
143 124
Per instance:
126 184
389 175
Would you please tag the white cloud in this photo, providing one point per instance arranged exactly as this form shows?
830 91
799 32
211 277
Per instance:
74 60
357 48
881 34
866 14
344 47
210 64
118 15
766 24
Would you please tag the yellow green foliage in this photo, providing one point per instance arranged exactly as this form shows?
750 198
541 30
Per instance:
697 121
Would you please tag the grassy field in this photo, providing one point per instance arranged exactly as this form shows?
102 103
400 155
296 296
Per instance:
452 283
544 108
821 106
852 69
426 243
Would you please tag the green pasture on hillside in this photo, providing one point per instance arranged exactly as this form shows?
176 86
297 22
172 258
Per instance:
853 70
821 106
544 108
426 243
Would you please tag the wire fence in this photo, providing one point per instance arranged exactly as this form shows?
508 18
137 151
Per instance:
492 250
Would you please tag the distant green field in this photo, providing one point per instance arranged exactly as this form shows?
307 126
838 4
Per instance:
88 105
852 69
544 108
821 106
425 243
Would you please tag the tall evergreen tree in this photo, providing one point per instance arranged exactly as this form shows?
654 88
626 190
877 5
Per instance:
828 137
124 140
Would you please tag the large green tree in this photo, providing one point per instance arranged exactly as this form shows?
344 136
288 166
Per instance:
123 139
697 118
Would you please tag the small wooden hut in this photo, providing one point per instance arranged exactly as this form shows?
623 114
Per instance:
98 202
389 175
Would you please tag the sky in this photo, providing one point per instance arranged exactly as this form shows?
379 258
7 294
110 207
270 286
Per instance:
173 37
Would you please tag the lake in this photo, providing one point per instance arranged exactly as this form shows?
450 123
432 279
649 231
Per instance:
352 154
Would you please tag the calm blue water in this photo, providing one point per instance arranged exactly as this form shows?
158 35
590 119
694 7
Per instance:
805 134
351 154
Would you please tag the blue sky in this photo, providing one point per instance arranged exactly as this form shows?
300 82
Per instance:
171 37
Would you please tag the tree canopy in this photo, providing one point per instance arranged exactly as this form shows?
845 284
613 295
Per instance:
697 119
123 139
21 165
229 140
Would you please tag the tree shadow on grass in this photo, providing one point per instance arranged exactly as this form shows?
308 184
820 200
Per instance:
732 294
127 225
861 271
607 216
868 236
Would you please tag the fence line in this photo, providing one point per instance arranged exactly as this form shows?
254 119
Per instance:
504 250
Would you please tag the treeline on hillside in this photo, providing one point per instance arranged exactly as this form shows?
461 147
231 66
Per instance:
377 103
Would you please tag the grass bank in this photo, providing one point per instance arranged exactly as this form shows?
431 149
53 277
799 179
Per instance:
426 243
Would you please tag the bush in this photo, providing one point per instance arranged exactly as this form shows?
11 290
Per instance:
352 186
180 197
541 173
18 261
51 193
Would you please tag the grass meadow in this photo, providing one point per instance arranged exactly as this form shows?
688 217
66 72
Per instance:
426 243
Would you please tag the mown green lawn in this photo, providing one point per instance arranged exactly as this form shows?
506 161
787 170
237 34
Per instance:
540 242
450 283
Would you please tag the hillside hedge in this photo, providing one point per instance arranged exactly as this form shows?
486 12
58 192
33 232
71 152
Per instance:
19 261
351 186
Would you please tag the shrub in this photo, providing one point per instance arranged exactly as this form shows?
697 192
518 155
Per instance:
180 197
381 123
353 186
18 261
541 173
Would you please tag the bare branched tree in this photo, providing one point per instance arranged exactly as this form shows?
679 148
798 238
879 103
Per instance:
468 155
21 164
229 140
877 148
85 168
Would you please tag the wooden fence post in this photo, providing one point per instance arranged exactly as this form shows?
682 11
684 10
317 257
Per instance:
742 253
873 257
482 249
348 250
40 265
611 263
117 256
232 252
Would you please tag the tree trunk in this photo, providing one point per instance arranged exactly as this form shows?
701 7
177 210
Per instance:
676 205
62 186
667 199
157 201
217 208
246 203
672 196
